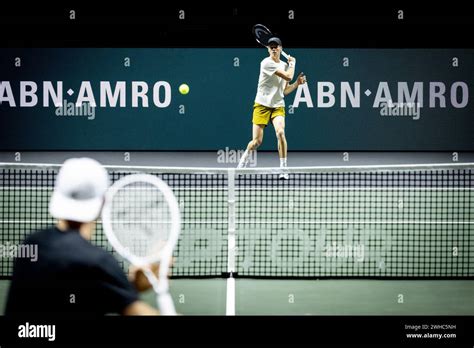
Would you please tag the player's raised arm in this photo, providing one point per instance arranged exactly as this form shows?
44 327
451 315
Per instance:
288 74
299 81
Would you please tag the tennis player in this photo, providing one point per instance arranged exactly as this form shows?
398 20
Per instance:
273 85
71 276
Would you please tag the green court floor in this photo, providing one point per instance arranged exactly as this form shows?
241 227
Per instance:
318 297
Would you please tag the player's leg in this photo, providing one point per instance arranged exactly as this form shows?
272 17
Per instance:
257 138
279 124
260 118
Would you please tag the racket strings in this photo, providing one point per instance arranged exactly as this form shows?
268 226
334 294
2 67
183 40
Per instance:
141 219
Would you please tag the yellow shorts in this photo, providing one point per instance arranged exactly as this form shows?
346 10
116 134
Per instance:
263 114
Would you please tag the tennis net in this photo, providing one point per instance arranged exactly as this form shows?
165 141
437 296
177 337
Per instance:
371 221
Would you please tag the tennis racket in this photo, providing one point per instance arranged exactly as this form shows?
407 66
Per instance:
263 34
141 220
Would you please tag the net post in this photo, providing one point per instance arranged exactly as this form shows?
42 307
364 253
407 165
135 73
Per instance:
230 297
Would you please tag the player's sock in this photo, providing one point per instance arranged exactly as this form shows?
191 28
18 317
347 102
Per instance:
283 175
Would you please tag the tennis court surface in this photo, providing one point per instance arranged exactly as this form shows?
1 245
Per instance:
332 240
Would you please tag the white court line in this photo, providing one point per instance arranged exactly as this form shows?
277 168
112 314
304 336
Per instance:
230 297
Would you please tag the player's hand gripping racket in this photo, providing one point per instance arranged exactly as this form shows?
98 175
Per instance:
141 220
263 34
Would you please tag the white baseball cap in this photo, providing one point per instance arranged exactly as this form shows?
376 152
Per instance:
79 191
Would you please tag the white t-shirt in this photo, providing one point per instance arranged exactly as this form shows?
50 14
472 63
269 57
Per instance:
270 86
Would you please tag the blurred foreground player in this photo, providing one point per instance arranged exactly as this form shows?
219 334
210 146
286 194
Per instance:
71 276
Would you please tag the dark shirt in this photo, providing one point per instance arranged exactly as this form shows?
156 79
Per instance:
70 277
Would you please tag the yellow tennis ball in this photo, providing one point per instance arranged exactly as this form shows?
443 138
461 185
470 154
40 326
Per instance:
184 89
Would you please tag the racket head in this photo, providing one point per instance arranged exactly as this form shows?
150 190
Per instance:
262 34
141 219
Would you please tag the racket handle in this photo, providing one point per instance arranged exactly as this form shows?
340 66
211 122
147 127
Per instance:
166 305
284 54
163 298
